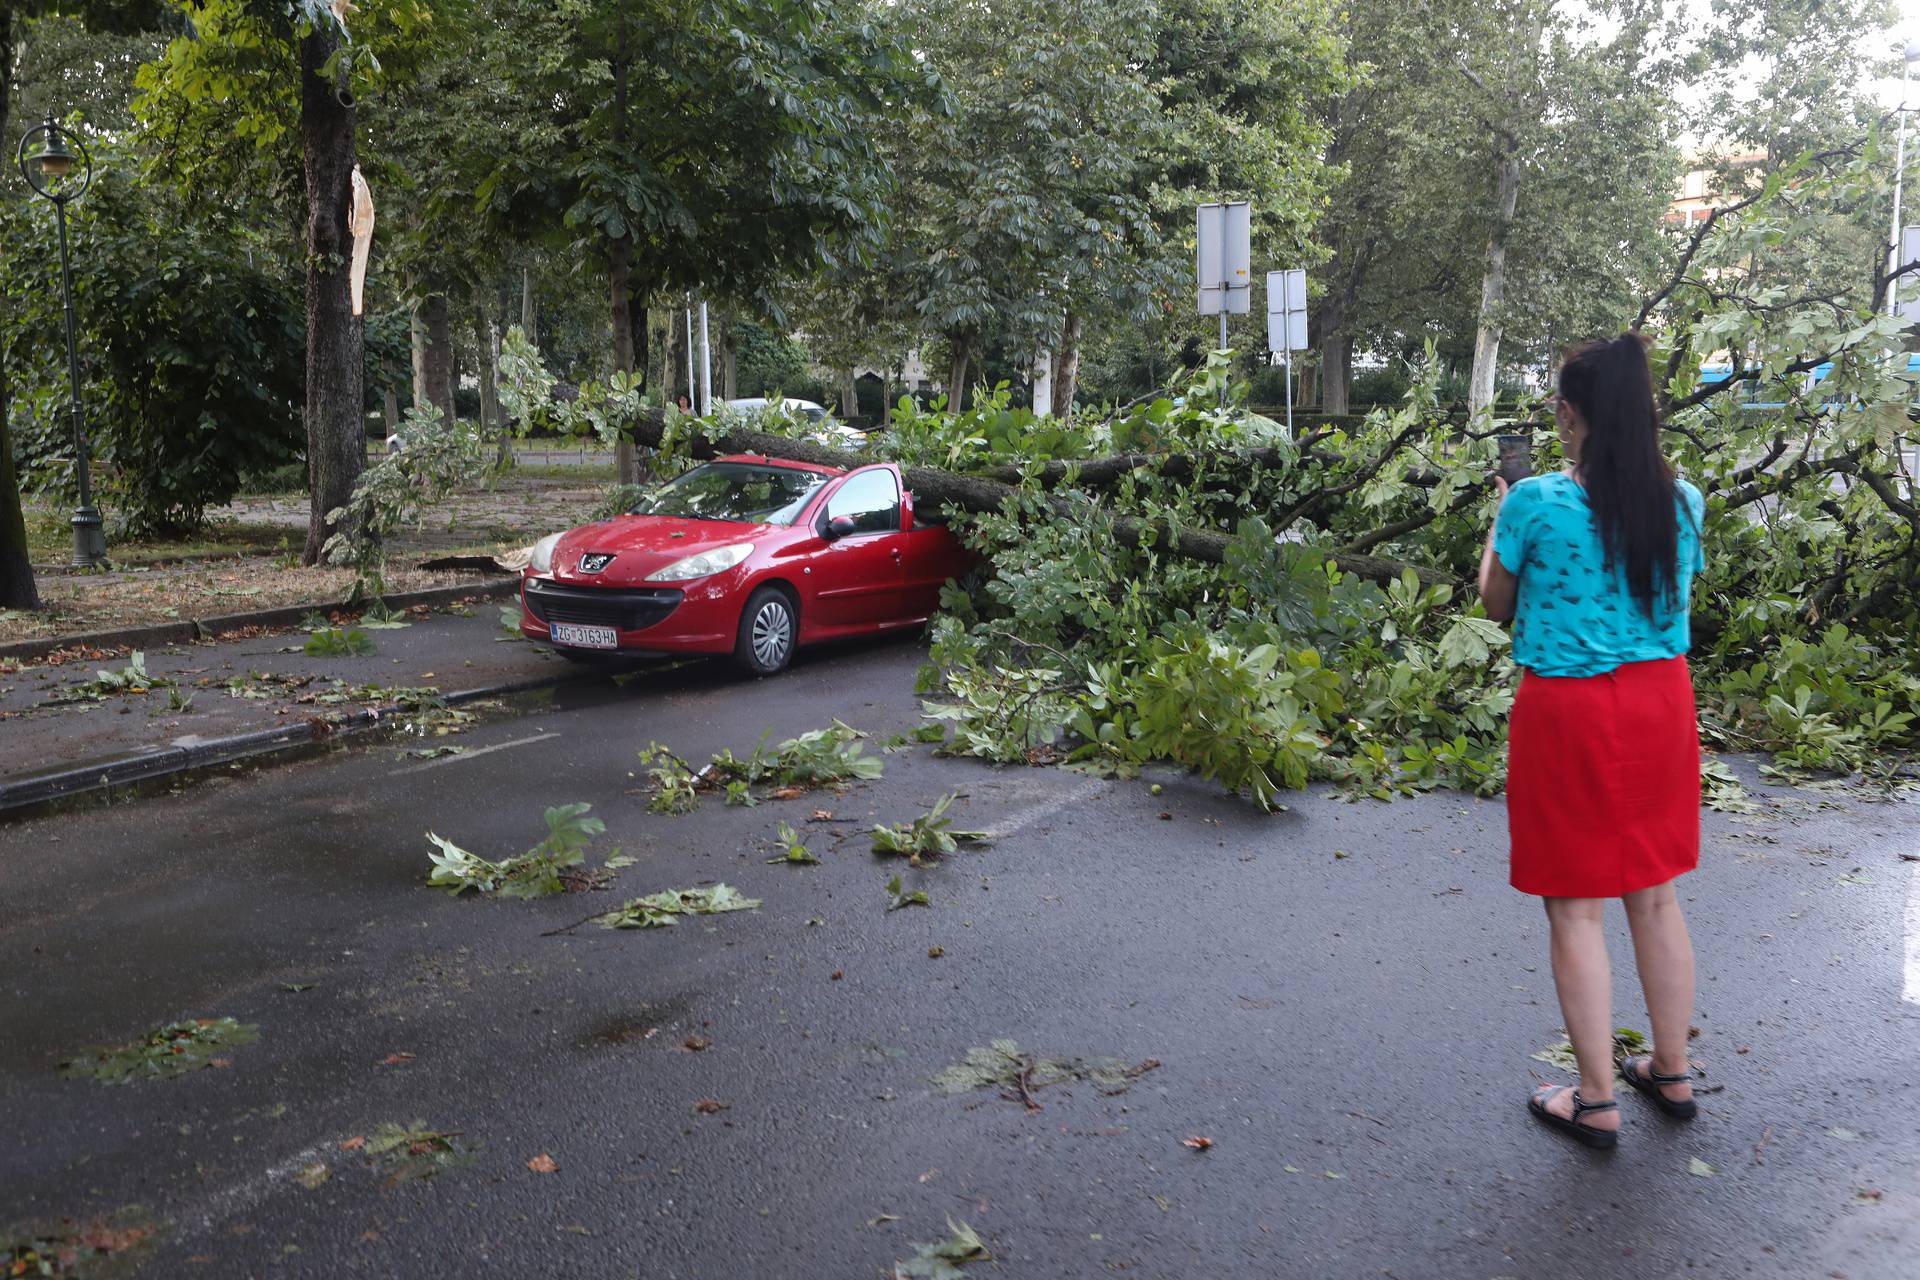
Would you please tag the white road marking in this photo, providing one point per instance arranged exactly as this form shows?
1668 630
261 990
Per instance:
1046 808
1912 989
476 752
242 1196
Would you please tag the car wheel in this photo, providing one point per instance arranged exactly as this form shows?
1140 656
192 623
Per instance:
768 628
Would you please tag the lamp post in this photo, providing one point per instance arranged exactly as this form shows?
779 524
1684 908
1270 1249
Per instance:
49 170
1909 52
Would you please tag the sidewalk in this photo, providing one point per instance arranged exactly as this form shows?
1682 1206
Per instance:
68 730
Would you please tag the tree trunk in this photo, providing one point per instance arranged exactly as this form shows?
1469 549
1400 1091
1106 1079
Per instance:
849 395
1066 366
17 590
620 297
433 363
390 409
936 489
1336 354
1493 286
417 343
491 417
528 313
336 426
673 369
727 352
620 273
957 376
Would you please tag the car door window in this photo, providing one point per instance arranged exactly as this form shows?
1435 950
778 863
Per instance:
871 499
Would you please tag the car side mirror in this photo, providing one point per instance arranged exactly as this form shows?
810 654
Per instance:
838 527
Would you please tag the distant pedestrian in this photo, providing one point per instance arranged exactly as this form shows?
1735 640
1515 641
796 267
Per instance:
684 403
1594 565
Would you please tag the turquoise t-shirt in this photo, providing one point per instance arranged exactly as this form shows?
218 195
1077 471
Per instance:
1575 618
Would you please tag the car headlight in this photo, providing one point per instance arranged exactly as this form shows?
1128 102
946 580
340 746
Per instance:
543 553
707 562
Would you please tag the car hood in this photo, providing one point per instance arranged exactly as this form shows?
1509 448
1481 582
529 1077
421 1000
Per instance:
644 545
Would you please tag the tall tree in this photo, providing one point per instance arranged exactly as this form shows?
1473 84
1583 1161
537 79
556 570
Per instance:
257 91
716 148
17 589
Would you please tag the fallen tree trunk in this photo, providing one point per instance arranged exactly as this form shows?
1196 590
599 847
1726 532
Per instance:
984 493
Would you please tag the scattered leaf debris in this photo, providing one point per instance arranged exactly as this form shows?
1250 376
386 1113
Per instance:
412 1153
163 1053
711 1106
1198 1143
943 1261
1019 1074
543 1163
659 910
99 1248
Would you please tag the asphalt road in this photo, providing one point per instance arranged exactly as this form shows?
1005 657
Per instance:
1352 1033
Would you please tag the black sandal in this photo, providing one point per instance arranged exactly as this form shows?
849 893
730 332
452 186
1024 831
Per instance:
1649 1083
1603 1139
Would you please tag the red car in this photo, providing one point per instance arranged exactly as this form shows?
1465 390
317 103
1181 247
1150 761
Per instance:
744 555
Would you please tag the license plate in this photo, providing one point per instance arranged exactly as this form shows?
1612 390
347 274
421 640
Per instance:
585 637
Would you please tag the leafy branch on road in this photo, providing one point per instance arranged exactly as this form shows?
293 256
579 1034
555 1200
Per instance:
338 642
942 1261
164 1053
1020 1074
660 910
899 896
537 873
132 678
928 836
821 757
793 850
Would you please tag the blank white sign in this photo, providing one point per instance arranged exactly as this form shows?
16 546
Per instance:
1223 266
1287 310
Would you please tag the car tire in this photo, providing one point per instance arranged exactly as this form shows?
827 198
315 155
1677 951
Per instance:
769 629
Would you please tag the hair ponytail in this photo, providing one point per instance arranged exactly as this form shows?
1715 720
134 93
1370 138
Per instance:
1628 482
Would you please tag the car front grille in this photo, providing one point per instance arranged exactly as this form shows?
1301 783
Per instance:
627 609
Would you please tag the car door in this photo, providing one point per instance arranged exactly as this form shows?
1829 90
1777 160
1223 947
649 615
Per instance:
859 573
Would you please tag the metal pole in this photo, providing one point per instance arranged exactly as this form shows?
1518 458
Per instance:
89 543
1899 171
706 364
1286 351
693 400
1223 338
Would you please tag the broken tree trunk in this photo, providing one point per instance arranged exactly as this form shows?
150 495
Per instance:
948 490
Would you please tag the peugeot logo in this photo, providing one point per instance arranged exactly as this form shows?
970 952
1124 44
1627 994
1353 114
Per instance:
595 561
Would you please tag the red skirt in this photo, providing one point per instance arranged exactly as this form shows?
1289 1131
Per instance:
1603 781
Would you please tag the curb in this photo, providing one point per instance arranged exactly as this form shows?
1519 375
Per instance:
191 629
148 763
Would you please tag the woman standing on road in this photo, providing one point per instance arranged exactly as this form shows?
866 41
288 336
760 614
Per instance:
1593 565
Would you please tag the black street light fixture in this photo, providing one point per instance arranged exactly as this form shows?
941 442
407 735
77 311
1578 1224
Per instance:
49 170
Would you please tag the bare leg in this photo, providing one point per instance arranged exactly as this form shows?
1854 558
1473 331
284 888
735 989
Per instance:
1585 981
1664 954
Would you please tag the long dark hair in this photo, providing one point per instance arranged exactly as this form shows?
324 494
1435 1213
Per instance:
1629 484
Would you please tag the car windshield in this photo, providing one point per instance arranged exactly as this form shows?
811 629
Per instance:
734 491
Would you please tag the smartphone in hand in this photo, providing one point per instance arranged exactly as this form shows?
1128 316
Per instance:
1516 458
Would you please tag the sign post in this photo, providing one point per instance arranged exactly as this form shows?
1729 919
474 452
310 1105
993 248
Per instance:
1287 322
1909 252
1224 261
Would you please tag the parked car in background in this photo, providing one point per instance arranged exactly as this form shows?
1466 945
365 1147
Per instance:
745 555
826 429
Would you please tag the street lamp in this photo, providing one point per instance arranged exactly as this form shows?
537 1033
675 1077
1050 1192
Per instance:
1909 53
49 170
